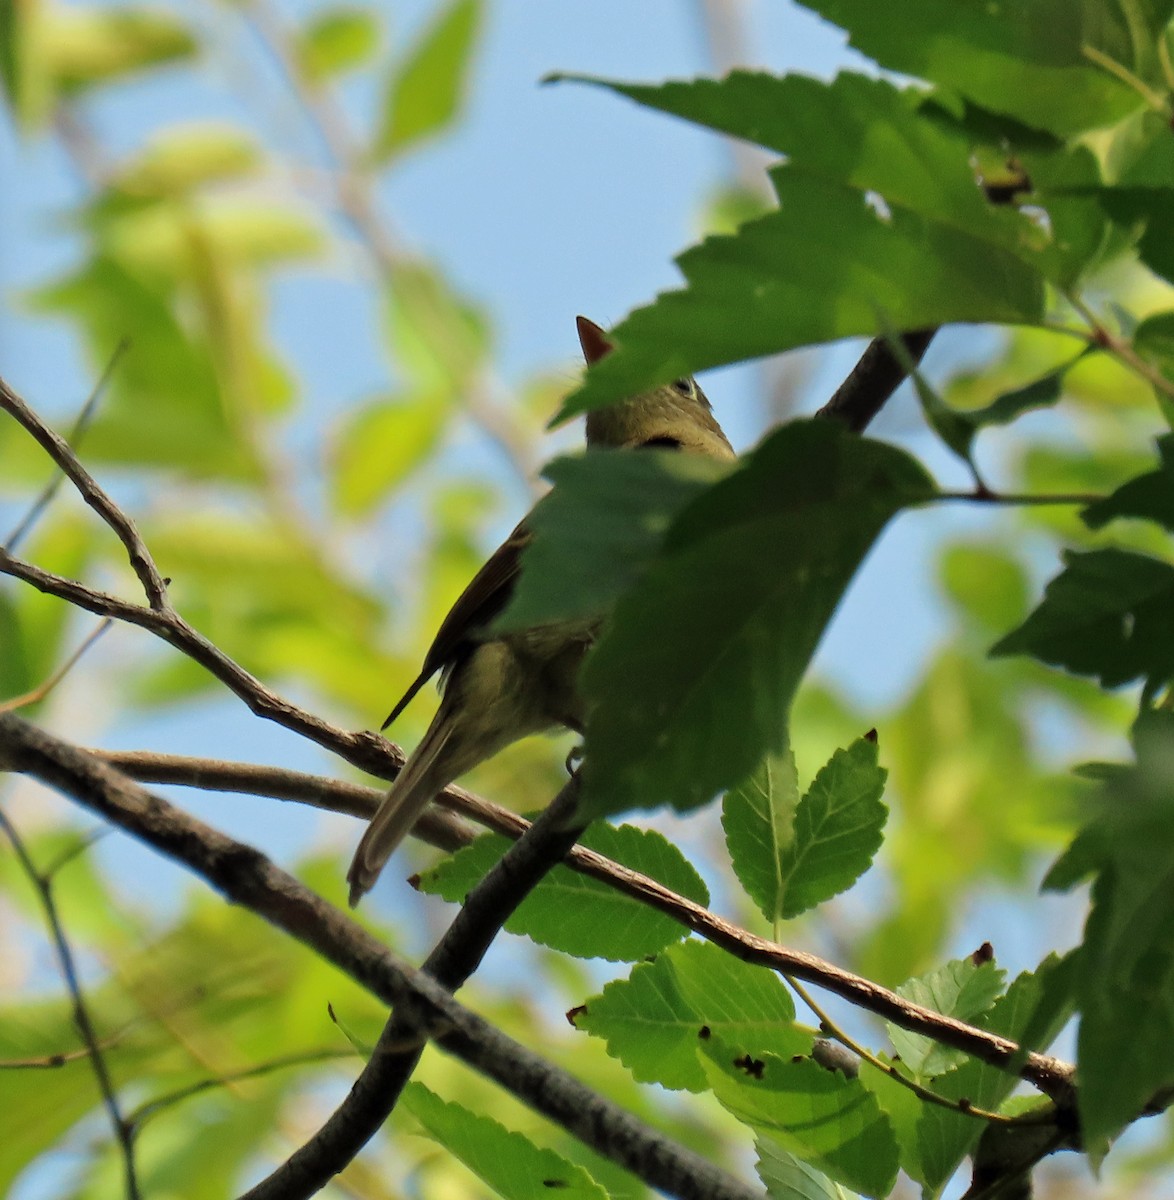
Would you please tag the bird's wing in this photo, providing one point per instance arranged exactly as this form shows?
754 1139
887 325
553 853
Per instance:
487 594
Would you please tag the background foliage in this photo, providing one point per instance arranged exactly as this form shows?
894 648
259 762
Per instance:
317 543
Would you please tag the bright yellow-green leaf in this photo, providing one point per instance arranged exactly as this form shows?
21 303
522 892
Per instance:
87 45
336 40
379 445
426 90
181 157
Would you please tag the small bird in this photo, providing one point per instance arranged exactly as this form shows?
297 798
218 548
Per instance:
499 688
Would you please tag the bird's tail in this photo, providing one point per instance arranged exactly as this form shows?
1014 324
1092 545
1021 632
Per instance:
423 775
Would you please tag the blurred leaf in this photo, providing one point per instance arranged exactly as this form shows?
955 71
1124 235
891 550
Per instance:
426 90
512 1165
598 529
985 582
163 407
1109 613
1124 970
961 989
692 682
23 71
180 158
336 40
380 445
1149 497
571 912
1027 61
655 1020
84 46
789 1178
828 1121
439 339
805 274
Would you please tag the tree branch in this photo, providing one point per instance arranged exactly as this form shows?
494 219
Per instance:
454 958
1050 1075
873 380
246 877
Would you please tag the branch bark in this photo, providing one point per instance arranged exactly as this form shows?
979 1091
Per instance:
246 877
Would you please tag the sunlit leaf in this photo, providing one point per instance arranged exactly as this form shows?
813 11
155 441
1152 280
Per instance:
425 92
336 40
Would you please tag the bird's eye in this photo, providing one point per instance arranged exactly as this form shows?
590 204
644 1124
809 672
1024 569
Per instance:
683 385
664 442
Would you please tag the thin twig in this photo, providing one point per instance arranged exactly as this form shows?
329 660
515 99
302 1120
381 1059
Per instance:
58 450
246 877
76 433
150 1108
42 884
1119 348
43 689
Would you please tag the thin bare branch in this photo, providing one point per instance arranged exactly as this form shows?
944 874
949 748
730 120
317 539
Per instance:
77 432
43 689
43 886
246 877
58 450
1051 1075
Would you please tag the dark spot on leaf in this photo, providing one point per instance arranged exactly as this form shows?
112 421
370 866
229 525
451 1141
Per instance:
572 1013
870 736
330 1012
984 954
704 1032
414 881
964 1104
796 1058
753 1067
555 1183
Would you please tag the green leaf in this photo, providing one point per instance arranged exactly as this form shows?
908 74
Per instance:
179 159
1025 60
883 144
825 266
1149 497
837 829
692 682
426 91
958 989
655 1020
1033 1011
508 1162
164 405
1124 969
985 582
380 445
336 40
597 530
1109 613
578 915
758 817
439 339
87 46
827 1120
789 1178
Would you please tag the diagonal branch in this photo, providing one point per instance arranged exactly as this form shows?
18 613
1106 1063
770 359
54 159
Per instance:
455 957
246 877
1050 1075
874 378
154 585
